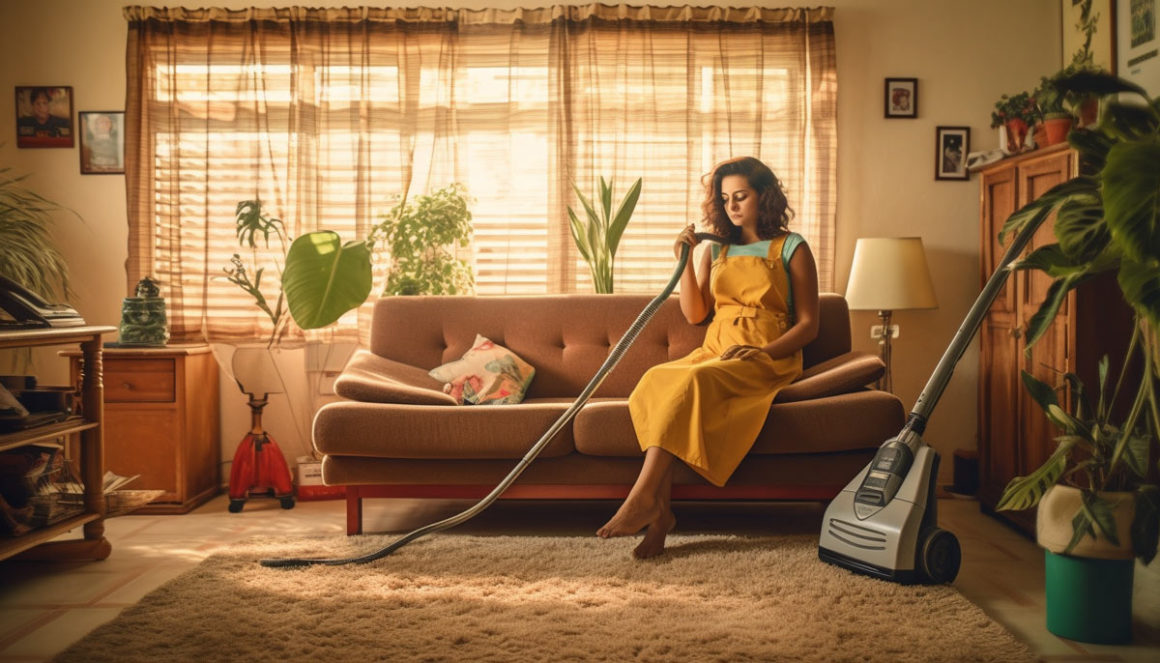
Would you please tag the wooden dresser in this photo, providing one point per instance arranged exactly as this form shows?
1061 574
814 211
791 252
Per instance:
1015 436
162 421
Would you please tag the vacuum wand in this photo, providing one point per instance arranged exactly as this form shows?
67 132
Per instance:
933 390
613 359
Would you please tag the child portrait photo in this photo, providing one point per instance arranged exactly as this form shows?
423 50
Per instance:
44 116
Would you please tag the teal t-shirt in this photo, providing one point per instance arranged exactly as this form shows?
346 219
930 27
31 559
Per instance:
761 249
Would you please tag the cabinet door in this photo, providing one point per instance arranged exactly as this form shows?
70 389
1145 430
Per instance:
999 426
1048 359
997 204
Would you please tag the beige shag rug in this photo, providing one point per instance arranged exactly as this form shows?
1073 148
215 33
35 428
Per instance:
453 597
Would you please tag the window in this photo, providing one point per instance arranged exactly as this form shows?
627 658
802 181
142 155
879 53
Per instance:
330 116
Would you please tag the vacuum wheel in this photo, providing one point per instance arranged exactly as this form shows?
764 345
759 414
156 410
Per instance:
236 505
287 502
939 556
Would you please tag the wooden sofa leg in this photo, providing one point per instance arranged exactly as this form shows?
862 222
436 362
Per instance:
353 511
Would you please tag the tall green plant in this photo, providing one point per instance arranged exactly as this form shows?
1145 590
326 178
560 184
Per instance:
1107 220
321 279
28 253
598 237
420 235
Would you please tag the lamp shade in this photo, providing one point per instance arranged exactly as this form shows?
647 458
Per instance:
889 274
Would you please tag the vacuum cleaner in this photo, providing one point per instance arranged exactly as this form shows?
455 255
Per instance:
614 357
884 523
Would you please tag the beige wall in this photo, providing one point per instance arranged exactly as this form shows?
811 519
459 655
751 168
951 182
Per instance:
965 53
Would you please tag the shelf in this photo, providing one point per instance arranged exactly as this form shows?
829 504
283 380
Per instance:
47 432
39 543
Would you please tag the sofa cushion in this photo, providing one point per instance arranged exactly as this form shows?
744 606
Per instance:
487 374
381 430
845 422
845 373
373 379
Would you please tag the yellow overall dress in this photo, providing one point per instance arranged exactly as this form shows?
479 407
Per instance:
706 411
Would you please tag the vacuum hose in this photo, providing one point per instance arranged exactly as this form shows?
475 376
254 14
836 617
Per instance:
613 359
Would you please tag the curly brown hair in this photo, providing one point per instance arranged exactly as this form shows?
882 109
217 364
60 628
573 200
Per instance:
773 210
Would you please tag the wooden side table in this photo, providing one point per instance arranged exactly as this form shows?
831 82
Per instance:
162 421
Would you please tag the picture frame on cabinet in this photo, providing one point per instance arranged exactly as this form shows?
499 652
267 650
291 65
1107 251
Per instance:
102 135
44 116
952 145
1138 43
900 98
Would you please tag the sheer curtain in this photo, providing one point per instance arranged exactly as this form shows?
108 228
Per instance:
330 116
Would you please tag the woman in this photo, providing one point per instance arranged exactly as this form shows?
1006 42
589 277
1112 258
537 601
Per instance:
707 408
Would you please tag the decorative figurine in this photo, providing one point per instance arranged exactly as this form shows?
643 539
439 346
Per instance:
143 319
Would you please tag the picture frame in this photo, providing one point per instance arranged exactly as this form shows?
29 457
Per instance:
1138 43
44 116
952 145
102 136
900 98
1101 14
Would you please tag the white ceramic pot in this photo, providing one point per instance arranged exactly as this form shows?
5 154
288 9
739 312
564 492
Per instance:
1060 504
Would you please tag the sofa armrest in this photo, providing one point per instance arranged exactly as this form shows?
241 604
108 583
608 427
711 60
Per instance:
839 375
373 379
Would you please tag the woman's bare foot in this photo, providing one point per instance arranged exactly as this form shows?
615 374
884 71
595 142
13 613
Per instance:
636 512
654 539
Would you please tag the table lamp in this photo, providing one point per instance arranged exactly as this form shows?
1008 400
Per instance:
889 274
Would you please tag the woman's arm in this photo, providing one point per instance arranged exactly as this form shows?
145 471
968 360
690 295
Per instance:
803 274
696 300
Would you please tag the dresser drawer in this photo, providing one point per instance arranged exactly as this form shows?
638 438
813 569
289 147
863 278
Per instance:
140 380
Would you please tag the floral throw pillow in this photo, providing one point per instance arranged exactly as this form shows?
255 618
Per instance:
488 374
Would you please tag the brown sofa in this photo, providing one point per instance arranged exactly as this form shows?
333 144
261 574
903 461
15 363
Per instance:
398 435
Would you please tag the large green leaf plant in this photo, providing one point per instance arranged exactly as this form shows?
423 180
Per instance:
322 277
598 236
1107 221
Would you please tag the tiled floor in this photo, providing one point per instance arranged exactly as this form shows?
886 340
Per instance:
45 607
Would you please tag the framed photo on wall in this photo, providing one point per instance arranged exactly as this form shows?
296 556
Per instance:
952 144
1100 20
1137 43
901 97
44 116
102 142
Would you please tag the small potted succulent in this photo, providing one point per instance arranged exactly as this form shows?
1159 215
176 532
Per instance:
1014 114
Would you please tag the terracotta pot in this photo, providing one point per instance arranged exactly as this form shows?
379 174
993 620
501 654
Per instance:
1059 506
1016 135
1039 135
1056 129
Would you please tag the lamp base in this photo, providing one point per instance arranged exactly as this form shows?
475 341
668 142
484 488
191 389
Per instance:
886 382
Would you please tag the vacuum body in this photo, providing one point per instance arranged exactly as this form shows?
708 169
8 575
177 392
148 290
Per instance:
894 537
884 523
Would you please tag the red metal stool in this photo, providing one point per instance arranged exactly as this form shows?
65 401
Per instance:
259 466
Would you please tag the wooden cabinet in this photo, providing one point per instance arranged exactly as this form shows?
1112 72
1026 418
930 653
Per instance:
39 544
162 422
1014 435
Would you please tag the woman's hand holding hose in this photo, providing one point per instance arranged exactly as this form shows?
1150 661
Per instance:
688 236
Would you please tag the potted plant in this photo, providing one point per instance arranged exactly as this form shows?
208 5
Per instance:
1054 108
598 237
420 236
1015 114
322 276
28 253
1106 460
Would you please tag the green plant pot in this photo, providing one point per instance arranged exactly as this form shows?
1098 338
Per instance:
1088 599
